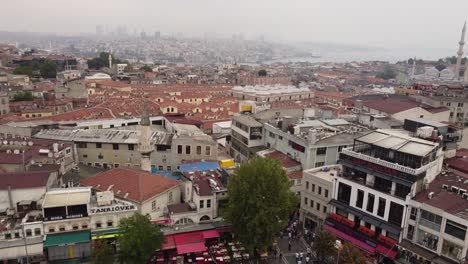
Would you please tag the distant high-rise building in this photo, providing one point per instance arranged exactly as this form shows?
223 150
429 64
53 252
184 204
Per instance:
99 30
143 34
460 53
157 34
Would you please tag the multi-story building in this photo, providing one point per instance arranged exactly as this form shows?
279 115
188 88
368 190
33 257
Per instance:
67 224
4 104
437 222
316 193
380 171
276 93
246 137
151 193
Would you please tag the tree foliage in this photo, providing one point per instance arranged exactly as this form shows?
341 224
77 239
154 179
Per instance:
260 202
324 245
350 254
23 70
102 253
388 73
139 239
23 96
262 72
146 68
102 61
48 69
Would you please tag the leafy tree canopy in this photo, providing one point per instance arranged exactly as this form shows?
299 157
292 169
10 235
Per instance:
23 70
260 202
324 245
139 239
48 69
388 73
262 73
146 68
102 253
23 96
350 254
102 61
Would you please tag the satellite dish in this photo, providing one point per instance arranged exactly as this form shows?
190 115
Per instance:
24 143
5 142
16 151
30 143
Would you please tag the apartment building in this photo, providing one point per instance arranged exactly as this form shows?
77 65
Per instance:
380 171
437 222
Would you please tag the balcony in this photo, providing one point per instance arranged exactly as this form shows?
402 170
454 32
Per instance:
391 165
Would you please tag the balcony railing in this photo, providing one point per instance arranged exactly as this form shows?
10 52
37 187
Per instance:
391 165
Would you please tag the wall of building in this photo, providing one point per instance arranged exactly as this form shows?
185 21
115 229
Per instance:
4 105
17 195
162 200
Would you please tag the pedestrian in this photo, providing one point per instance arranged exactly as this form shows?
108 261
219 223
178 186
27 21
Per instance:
300 256
289 245
297 257
307 259
281 255
290 235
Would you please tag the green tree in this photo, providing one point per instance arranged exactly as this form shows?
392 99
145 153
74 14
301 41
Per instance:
440 66
23 96
388 73
350 254
23 70
101 61
102 253
48 69
262 73
146 68
411 61
139 239
324 245
260 202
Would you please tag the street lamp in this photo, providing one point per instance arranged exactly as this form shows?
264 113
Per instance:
338 247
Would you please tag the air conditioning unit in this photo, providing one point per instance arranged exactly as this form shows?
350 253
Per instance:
454 189
430 195
445 187
465 196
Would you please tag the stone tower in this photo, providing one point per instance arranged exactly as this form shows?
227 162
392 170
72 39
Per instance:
460 53
145 147
110 61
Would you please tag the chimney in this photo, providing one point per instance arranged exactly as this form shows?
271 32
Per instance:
55 146
10 198
312 137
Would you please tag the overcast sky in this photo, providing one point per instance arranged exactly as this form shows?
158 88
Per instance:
427 24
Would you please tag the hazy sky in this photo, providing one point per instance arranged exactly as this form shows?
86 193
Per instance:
428 24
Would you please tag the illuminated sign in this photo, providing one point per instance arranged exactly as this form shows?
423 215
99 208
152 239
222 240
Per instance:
114 208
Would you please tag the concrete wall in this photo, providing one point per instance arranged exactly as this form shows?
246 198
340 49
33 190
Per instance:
162 201
18 195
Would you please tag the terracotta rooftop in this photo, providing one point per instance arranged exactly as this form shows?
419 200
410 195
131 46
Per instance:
140 185
390 105
286 161
20 180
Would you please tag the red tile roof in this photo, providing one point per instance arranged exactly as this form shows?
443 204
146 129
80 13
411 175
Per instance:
390 105
24 180
285 160
140 185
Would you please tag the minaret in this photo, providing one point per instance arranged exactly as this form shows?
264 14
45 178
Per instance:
413 70
145 147
460 53
110 61
465 80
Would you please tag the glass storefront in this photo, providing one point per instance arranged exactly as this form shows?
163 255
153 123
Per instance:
427 240
451 250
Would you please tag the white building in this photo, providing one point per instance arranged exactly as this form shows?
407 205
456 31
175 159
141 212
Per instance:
271 93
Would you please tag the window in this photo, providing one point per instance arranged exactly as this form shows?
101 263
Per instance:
307 185
153 205
271 134
98 145
169 168
305 200
313 187
460 104
201 204
208 151
410 233
131 147
115 146
179 149
340 148
85 156
430 220
320 190
381 208
414 213
170 197
188 149
51 230
325 209
452 250
81 145
98 225
28 232
402 190
311 203
427 239
84 226
321 151
395 215
208 203
448 103
110 223
199 150
280 137
344 193
318 207
370 202
326 193
455 229
61 228
319 164
75 227
360 198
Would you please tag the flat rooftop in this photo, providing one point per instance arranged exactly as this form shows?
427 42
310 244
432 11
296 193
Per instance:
67 197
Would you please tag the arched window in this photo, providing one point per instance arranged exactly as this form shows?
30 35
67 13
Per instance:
205 218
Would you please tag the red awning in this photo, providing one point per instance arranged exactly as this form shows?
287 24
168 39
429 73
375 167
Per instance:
224 229
386 252
169 244
210 234
350 239
189 248
188 238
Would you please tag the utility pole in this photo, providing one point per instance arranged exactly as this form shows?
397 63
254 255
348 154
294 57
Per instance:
25 244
